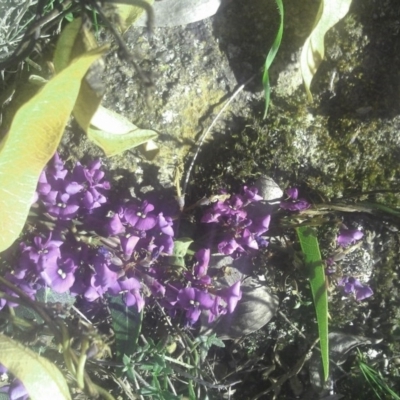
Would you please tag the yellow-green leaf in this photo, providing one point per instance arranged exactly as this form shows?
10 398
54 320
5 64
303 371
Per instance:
32 140
330 12
128 14
76 39
41 378
65 44
115 134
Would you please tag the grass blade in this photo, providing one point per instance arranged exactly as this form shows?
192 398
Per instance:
270 57
316 275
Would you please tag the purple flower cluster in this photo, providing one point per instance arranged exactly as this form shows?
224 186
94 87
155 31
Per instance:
128 254
239 231
65 194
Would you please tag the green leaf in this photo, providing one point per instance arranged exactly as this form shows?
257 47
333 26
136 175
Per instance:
115 134
41 378
127 323
316 275
330 12
181 246
271 56
32 140
65 44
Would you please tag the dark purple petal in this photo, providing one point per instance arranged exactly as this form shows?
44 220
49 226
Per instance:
130 284
60 277
17 391
146 222
248 239
203 258
165 224
251 194
293 193
186 297
132 298
229 246
128 244
231 295
205 301
260 225
105 276
192 315
165 243
73 188
363 292
114 226
349 236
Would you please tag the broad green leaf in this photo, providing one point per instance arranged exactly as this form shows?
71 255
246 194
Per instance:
316 275
32 140
330 13
76 39
127 323
41 378
65 44
110 131
115 133
271 56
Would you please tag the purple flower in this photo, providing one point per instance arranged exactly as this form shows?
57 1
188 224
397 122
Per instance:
194 301
43 253
129 288
293 203
349 236
141 217
61 205
92 180
60 276
353 285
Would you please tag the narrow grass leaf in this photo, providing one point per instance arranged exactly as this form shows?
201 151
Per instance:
41 378
330 13
271 56
316 275
32 140
127 324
